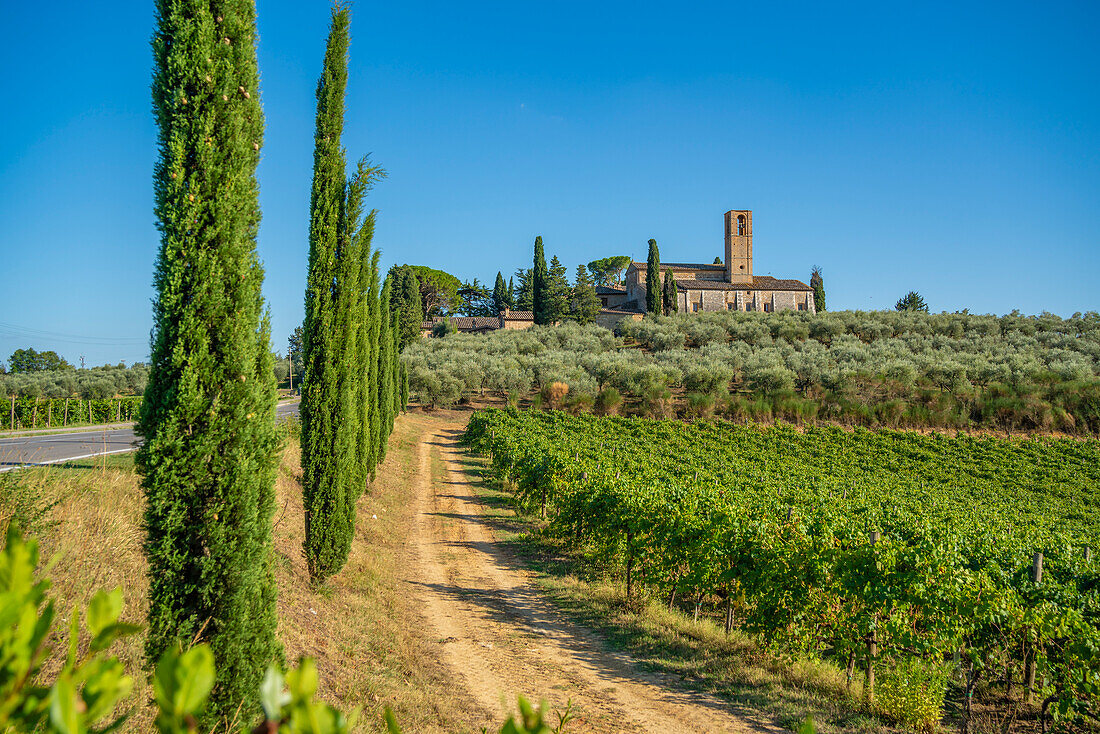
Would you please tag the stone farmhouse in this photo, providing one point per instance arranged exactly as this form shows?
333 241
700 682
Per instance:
729 286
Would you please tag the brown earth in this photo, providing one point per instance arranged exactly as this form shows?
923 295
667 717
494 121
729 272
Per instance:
500 638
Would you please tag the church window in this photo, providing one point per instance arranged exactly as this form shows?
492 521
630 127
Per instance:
695 307
768 307
740 225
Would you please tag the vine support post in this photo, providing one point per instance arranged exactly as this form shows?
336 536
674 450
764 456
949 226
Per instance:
49 412
1088 554
13 412
729 612
629 564
34 415
65 420
1029 658
872 642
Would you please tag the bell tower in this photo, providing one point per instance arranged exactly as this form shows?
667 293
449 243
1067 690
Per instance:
739 246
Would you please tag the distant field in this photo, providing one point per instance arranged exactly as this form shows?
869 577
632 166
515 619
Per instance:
777 522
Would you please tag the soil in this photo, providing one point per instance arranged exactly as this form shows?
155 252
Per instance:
501 638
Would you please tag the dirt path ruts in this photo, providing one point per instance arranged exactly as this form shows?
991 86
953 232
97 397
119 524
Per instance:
502 638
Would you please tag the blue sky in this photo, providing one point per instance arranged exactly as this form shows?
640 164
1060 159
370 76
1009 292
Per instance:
950 148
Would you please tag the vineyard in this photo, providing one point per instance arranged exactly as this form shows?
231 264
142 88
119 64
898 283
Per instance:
912 561
25 413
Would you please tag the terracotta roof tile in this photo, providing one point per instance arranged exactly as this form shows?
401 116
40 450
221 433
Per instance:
759 283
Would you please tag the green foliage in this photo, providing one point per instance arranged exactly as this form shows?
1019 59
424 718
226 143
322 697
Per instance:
912 692
780 519
523 295
818 284
406 305
56 412
540 287
502 299
608 271
94 383
210 442
82 696
476 300
438 290
911 301
585 304
558 293
653 299
330 395
341 413
669 298
28 360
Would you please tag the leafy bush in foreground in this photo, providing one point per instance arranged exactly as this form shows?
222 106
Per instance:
88 692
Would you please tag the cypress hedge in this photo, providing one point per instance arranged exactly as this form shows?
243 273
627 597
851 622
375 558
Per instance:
209 456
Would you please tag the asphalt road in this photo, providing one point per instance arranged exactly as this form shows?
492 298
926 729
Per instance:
60 447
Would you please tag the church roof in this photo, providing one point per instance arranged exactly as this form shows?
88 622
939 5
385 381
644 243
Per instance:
518 315
605 290
683 266
759 283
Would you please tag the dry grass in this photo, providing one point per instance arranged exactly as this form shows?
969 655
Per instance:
362 627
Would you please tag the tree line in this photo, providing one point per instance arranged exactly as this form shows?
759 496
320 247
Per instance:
209 457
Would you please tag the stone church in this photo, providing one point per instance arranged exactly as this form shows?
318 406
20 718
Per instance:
729 286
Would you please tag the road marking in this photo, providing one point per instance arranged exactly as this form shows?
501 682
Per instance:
67 458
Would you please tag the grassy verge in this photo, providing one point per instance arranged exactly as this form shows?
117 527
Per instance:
673 642
362 627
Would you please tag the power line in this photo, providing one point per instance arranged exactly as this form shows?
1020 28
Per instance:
14 330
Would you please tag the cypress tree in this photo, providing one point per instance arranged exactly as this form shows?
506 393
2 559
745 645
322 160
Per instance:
385 371
372 432
540 294
500 294
670 301
209 456
511 293
818 284
333 385
406 304
653 280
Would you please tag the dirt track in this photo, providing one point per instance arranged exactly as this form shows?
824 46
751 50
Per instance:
501 638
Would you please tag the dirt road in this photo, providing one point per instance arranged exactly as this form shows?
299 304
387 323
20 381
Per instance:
502 638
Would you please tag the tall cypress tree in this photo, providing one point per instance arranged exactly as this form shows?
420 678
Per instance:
818 284
406 304
653 280
500 294
329 431
540 293
385 370
209 456
670 301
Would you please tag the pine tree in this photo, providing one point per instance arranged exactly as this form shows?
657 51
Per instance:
585 302
669 297
209 455
523 297
500 294
558 292
653 280
911 301
540 295
818 284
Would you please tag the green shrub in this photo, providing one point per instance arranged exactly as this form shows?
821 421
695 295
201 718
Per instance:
912 692
608 401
